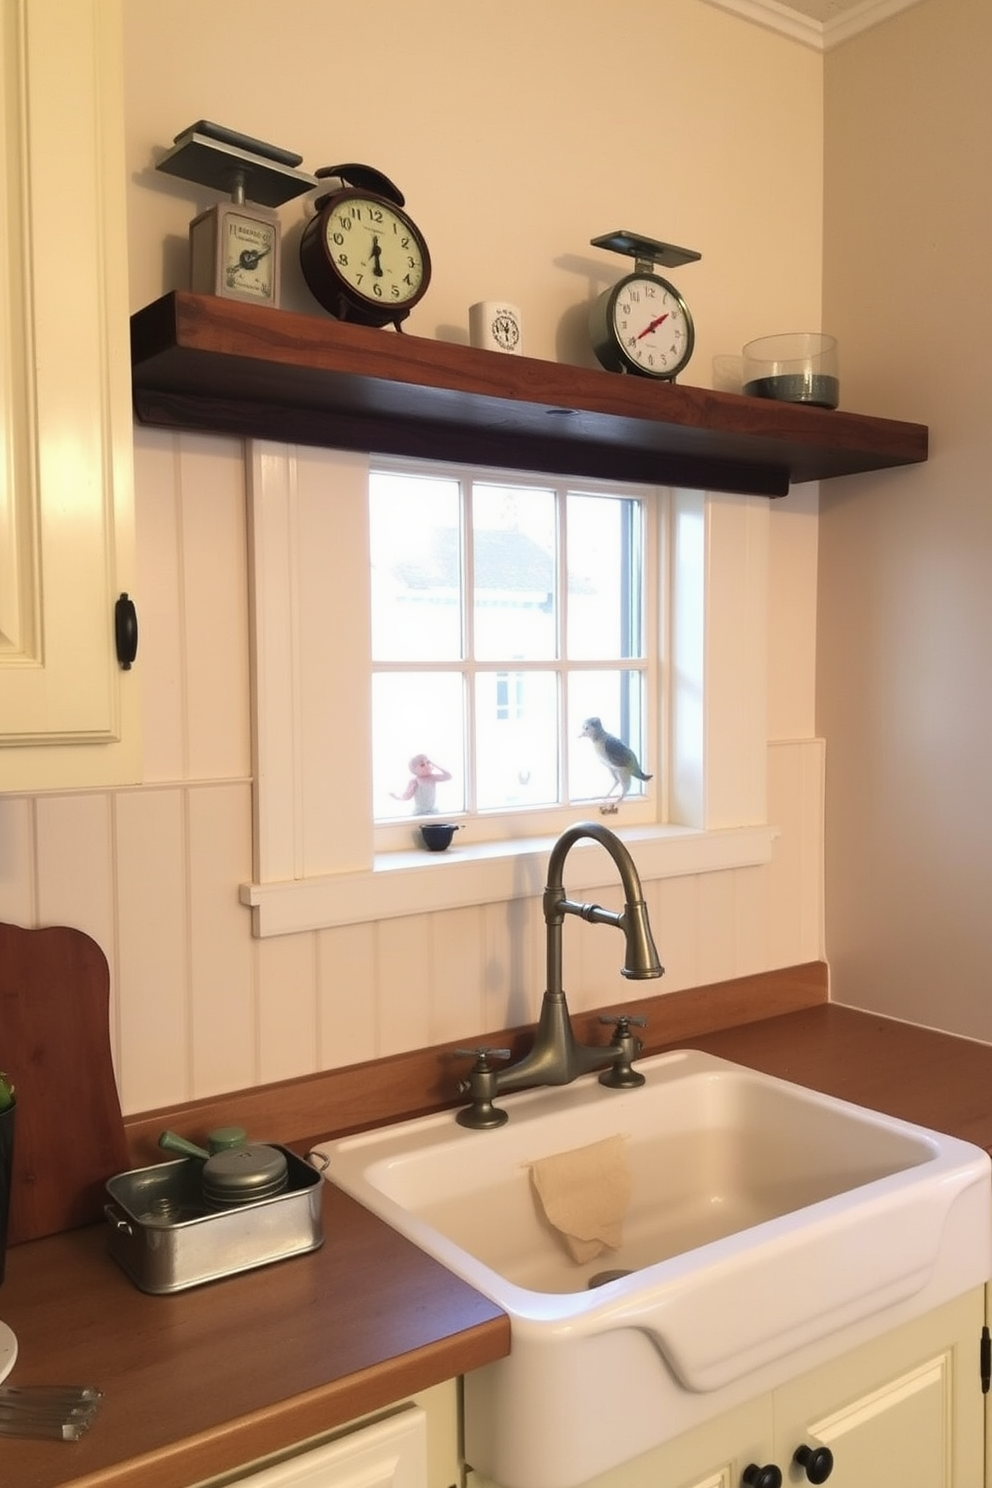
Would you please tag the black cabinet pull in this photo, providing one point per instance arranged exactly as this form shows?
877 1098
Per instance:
126 631
818 1462
768 1476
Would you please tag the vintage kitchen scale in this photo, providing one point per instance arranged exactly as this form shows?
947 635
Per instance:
235 245
642 325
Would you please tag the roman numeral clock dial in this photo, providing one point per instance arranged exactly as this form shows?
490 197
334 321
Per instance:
643 325
363 257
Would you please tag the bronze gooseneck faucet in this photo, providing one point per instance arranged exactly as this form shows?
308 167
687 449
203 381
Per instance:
556 1057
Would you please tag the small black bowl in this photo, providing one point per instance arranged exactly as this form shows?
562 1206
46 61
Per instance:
437 835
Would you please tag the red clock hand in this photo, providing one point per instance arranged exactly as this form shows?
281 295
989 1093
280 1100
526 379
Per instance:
653 326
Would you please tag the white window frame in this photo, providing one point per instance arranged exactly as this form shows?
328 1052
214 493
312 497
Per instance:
538 821
315 863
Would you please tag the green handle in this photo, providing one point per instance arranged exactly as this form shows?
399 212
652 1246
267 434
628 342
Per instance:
221 1139
170 1142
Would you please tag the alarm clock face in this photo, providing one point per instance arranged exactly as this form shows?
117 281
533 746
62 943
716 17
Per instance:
643 325
375 250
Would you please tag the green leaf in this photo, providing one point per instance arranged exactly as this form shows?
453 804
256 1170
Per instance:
6 1092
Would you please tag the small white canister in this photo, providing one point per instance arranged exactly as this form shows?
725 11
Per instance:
494 325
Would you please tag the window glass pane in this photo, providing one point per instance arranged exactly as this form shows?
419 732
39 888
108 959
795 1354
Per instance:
516 725
417 717
617 700
605 548
514 571
504 615
415 547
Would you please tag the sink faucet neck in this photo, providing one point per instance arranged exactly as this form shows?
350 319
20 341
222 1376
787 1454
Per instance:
556 1057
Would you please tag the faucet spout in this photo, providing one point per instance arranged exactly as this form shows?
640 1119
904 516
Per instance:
557 1058
641 959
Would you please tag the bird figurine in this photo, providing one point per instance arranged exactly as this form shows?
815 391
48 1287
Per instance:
619 759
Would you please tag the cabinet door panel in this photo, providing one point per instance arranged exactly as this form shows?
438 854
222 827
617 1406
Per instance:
713 1455
895 1434
66 497
906 1409
387 1454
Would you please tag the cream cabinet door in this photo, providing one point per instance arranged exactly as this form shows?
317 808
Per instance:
906 1410
67 711
390 1453
713 1455
409 1445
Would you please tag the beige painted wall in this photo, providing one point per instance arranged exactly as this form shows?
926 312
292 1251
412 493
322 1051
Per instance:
904 644
505 126
517 131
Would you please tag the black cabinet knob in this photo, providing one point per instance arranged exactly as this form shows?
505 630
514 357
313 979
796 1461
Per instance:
768 1476
125 631
818 1462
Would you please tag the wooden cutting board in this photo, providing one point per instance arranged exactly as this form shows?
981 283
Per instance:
55 1045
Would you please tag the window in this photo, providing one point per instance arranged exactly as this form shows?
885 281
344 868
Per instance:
316 859
506 611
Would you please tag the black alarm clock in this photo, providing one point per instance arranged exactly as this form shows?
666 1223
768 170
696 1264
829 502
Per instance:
363 257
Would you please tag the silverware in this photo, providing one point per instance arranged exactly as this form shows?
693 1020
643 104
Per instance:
59 1412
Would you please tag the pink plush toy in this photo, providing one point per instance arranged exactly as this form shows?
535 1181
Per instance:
421 789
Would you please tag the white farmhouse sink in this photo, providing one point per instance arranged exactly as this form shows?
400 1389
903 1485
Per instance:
769 1228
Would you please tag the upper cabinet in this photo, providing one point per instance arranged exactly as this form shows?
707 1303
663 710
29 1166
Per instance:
68 713
205 363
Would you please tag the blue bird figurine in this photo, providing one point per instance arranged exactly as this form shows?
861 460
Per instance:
619 759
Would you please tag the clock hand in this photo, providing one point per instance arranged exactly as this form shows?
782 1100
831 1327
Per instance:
376 256
249 257
653 326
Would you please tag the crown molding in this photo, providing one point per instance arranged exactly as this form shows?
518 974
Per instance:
819 35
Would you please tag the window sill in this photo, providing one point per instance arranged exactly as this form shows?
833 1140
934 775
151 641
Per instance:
419 882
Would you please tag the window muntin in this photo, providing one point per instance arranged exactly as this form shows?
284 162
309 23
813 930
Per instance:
505 611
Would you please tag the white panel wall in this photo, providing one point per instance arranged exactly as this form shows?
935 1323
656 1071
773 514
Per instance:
152 871
200 1007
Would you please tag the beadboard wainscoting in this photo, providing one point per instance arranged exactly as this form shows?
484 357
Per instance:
152 871
199 1006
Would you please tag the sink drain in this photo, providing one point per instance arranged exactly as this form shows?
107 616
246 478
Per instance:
602 1277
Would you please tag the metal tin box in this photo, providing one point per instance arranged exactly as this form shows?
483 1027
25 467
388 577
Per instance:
166 1238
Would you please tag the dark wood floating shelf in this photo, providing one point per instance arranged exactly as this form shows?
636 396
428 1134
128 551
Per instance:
199 362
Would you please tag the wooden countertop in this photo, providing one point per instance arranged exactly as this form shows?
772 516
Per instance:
900 1069
203 1380
207 1379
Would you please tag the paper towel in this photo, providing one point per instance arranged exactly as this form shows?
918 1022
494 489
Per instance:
584 1194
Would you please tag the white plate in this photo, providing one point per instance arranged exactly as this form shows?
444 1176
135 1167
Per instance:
8 1350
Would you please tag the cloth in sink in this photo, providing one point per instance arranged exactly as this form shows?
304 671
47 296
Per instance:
584 1194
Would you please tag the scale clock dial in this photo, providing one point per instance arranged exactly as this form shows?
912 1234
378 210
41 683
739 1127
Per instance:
646 328
234 253
643 325
249 256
